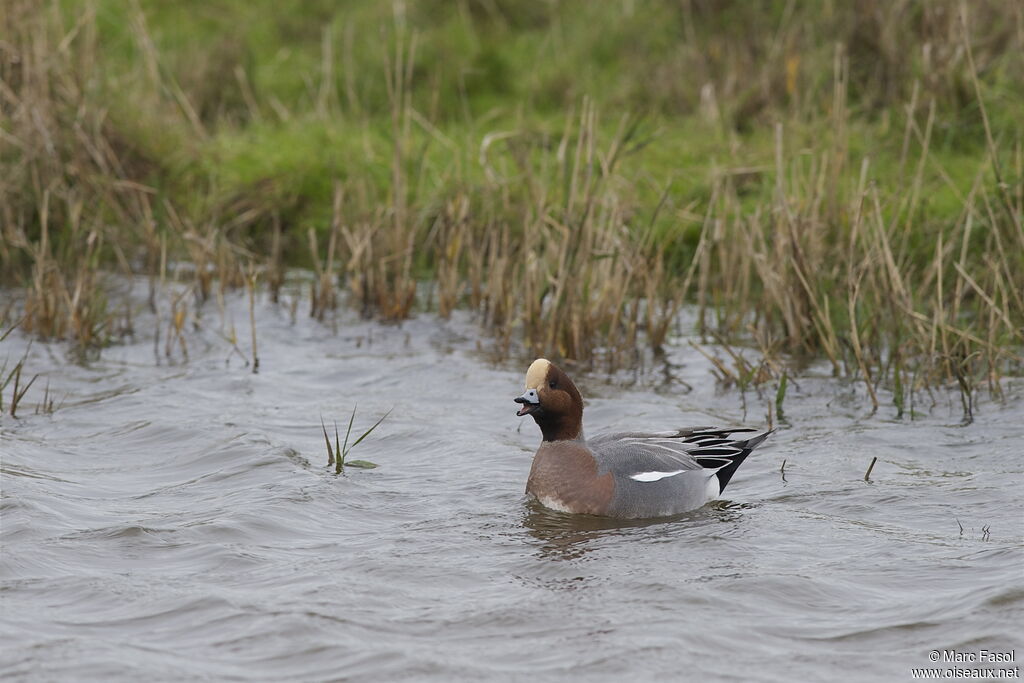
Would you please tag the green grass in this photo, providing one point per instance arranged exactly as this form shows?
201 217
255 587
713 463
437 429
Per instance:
500 66
337 456
142 125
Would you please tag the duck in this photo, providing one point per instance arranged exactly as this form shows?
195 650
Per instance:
627 475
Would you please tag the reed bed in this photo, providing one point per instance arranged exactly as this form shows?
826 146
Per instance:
857 200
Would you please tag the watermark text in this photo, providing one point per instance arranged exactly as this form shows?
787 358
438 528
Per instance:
973 665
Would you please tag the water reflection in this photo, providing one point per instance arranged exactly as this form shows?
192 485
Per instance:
564 536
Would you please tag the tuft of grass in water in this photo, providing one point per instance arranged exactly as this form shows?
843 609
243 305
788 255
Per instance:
338 454
18 388
48 405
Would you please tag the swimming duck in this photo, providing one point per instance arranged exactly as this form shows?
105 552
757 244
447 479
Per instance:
630 475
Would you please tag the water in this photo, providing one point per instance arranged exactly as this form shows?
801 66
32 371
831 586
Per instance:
176 521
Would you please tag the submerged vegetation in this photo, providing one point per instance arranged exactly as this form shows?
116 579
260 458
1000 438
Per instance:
834 180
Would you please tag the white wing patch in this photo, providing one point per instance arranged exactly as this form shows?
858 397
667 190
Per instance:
654 476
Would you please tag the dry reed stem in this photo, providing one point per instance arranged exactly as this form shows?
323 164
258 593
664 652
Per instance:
547 248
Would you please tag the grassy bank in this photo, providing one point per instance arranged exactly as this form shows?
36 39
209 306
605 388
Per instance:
838 180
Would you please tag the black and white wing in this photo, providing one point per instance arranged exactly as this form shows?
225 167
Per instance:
644 456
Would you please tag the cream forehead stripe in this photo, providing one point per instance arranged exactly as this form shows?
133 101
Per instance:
537 373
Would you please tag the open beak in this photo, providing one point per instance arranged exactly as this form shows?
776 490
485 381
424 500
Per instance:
530 401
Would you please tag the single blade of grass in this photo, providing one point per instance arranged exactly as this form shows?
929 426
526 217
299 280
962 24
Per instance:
12 328
327 440
780 395
18 395
367 432
4 383
897 390
344 450
337 448
363 464
15 370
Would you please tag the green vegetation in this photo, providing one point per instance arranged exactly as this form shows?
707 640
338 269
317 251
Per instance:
338 454
829 179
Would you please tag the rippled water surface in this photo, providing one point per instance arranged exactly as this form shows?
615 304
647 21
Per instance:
176 520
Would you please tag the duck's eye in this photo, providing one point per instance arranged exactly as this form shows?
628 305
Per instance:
552 384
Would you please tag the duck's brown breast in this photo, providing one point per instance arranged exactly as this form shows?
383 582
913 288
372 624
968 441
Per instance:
564 477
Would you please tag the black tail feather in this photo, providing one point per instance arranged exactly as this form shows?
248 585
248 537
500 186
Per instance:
727 458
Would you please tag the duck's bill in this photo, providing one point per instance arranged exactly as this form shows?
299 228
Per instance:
528 409
530 403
